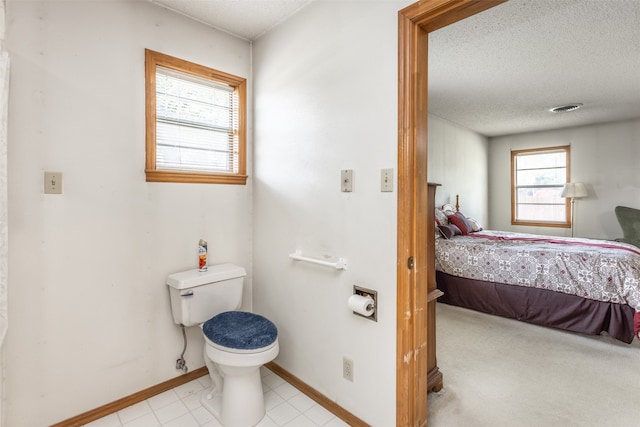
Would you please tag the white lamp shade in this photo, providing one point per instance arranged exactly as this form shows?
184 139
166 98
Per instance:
574 190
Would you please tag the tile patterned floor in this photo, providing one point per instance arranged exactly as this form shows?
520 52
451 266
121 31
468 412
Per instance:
180 407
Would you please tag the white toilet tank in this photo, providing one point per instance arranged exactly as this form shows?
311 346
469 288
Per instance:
198 296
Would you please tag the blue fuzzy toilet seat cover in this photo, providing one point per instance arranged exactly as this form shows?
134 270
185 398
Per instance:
240 330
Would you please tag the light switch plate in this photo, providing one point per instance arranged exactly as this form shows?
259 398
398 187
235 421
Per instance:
53 183
346 180
386 180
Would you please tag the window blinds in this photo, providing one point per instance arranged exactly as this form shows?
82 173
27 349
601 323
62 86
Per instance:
539 178
196 123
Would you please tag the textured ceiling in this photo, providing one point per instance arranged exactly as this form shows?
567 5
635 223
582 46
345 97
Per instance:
247 19
500 71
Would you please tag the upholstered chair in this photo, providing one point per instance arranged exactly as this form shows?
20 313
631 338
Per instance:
629 219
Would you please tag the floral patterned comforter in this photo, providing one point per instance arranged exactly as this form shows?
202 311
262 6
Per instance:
596 269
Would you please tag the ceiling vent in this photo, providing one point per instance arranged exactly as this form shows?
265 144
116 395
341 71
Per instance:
565 108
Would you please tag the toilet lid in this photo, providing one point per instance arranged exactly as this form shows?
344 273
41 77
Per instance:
240 330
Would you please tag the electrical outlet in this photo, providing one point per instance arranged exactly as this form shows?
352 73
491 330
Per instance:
347 369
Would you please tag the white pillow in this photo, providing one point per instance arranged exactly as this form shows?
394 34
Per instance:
448 209
441 217
475 225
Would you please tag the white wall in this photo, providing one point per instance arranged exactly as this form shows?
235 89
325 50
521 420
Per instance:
604 156
326 100
458 160
89 311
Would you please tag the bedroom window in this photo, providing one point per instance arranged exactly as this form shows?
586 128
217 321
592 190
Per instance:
195 123
538 176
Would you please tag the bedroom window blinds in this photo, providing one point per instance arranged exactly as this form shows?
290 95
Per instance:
195 123
538 176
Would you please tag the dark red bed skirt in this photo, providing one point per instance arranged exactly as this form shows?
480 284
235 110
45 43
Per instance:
539 306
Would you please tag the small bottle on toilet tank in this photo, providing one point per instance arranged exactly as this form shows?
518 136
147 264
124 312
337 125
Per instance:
202 255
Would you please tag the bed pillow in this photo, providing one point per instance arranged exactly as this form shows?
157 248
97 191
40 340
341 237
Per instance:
475 225
448 209
441 217
464 219
449 230
460 221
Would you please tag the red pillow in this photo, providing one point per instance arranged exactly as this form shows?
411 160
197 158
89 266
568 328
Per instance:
461 222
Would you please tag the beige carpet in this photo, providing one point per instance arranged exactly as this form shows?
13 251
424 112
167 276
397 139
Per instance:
501 372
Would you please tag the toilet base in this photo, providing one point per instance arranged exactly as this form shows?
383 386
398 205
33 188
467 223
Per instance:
241 404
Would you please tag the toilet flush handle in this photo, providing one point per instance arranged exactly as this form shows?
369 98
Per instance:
187 294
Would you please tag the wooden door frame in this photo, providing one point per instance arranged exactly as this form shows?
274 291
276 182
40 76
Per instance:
414 24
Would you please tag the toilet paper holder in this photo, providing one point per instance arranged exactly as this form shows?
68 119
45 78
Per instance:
359 290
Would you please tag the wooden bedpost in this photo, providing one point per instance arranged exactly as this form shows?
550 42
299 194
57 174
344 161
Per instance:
457 205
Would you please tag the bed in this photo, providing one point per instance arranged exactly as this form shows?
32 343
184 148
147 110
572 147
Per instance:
575 284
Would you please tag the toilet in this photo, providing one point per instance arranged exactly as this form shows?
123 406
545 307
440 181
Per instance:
237 343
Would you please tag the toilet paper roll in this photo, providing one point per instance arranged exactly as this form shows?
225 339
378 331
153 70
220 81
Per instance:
363 305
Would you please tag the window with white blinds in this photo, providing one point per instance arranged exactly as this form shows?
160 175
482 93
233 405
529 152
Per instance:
195 123
538 176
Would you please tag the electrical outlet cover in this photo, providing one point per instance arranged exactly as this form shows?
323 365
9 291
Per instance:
347 369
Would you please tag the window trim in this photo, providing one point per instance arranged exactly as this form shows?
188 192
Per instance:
153 59
557 224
